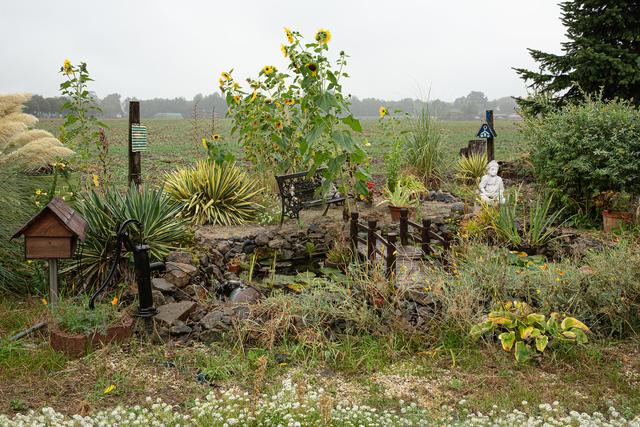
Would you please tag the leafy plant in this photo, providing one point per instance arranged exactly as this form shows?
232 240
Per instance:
212 193
472 167
586 149
74 316
615 201
529 333
163 229
423 147
217 151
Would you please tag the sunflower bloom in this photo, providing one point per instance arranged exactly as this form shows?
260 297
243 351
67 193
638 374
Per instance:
67 67
236 98
226 75
382 112
204 143
268 69
289 101
323 36
215 137
284 51
313 68
279 125
289 34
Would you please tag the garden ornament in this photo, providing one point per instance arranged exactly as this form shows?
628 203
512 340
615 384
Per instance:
491 185
143 269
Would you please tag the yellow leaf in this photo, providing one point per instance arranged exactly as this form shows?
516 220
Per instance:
109 389
572 322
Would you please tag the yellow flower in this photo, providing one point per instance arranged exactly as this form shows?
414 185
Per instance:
268 69
215 137
204 143
283 49
96 180
313 68
279 125
44 301
236 85
323 36
221 81
236 99
226 76
114 301
289 34
289 101
543 267
109 389
38 192
382 112
67 67
253 96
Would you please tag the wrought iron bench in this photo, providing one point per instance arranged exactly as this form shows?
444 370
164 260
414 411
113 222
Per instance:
298 191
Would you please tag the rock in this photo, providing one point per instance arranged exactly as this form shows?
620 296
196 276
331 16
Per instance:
169 313
180 257
262 239
197 315
203 260
161 284
224 247
179 274
179 329
213 320
278 243
245 294
458 207
216 257
158 298
248 249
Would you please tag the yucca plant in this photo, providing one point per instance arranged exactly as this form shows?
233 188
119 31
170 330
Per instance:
212 193
472 167
164 228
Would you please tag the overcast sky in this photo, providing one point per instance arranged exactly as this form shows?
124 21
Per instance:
163 48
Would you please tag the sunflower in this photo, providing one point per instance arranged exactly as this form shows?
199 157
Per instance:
215 137
289 34
283 49
382 112
253 96
279 125
313 68
268 69
323 36
226 75
236 98
67 67
289 101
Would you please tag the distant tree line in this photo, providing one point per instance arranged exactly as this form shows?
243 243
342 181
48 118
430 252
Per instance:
467 107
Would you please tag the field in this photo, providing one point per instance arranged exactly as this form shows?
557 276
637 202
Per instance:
174 143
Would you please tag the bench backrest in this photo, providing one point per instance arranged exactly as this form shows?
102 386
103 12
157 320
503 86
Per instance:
299 185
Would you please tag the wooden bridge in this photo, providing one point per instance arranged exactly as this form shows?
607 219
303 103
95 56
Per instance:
400 254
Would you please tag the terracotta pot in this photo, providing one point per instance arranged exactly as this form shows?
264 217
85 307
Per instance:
395 212
612 220
233 268
77 345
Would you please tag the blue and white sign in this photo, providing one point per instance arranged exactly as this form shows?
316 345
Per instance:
486 131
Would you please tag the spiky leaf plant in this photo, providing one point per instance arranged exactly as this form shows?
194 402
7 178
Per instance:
164 228
472 167
212 193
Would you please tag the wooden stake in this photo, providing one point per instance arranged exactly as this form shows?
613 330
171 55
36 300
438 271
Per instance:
135 167
53 281
489 119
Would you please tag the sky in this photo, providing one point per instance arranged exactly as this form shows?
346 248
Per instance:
161 48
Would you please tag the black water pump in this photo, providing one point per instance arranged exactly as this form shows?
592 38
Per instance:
143 268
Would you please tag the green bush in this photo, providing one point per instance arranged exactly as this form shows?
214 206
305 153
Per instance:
164 228
75 316
212 193
586 149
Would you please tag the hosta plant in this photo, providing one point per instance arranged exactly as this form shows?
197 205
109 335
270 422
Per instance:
528 333
214 193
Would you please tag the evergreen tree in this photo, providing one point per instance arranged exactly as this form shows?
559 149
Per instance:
602 53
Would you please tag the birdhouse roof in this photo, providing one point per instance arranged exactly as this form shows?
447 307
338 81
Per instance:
68 217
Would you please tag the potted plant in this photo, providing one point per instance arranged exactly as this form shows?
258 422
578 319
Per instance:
404 195
617 210
234 265
339 256
77 329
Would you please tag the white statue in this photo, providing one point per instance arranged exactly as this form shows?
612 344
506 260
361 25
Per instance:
491 186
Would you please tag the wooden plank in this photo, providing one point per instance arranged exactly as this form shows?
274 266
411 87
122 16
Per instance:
48 247
48 225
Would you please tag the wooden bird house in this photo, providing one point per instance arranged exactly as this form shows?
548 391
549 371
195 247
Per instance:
54 232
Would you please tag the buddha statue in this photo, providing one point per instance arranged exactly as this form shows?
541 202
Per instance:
491 186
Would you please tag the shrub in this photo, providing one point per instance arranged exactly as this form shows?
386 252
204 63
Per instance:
164 228
74 316
212 193
423 147
585 149
471 168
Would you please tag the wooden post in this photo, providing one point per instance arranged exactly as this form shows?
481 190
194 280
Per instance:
53 281
426 236
353 232
489 119
371 239
404 226
135 168
391 256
